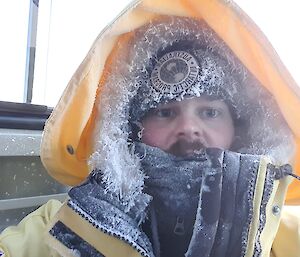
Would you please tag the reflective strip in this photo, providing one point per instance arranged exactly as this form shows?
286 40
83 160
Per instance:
97 238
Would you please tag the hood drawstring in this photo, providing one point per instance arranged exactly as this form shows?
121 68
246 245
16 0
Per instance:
285 170
294 176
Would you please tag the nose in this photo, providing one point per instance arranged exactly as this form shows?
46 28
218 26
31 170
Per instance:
190 128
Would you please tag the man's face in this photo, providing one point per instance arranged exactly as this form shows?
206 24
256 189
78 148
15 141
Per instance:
183 127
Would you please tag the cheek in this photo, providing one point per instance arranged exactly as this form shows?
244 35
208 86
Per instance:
223 136
225 141
154 136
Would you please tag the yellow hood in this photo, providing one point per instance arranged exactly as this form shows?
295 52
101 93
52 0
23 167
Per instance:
68 142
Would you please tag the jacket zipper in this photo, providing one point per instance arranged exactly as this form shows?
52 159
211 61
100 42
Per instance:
179 229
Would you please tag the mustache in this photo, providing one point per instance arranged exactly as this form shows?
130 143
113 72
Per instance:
184 148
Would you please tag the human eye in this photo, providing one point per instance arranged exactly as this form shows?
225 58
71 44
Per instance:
210 113
164 113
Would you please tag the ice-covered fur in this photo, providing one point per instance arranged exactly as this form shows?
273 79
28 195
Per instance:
264 130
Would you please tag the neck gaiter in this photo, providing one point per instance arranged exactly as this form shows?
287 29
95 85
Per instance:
197 199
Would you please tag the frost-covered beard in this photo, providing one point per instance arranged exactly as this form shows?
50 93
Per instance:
197 199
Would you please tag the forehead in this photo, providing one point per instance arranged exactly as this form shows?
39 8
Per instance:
196 101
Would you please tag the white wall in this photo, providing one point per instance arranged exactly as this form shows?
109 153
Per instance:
65 40
14 16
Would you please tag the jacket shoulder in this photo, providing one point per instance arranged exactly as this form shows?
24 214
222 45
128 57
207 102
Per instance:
27 238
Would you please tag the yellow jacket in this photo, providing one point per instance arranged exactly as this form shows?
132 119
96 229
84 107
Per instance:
68 139
28 238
